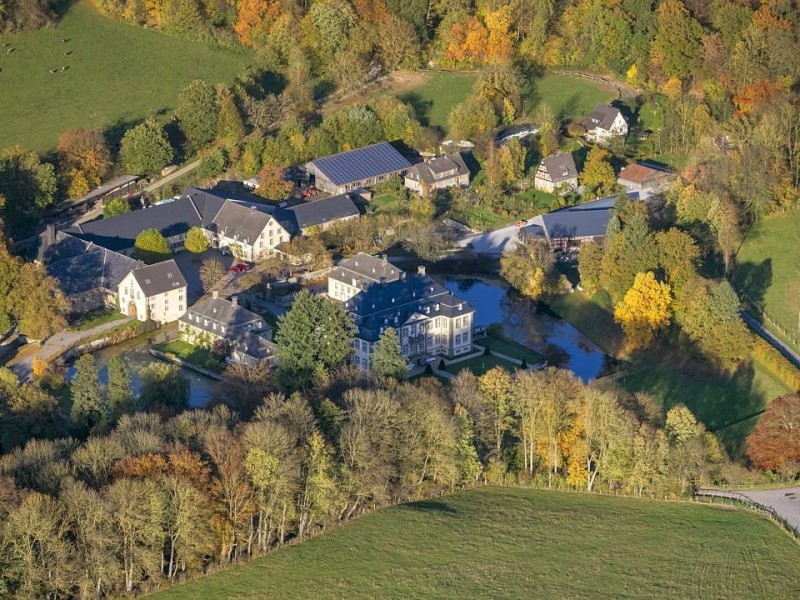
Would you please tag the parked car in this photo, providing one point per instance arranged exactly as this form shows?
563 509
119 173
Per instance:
521 223
239 268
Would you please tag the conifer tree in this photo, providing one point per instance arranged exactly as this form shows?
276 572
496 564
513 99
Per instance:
88 407
387 359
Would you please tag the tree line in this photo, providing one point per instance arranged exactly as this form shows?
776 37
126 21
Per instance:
157 499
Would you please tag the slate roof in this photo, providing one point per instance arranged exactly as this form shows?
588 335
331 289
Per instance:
363 163
101 190
585 220
560 167
93 268
395 303
243 222
159 278
119 233
223 312
431 171
318 212
365 269
195 208
602 116
241 325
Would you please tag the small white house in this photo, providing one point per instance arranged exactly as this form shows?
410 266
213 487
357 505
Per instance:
154 292
557 173
604 123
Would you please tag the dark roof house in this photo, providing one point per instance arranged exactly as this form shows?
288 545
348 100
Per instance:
555 172
159 278
320 213
602 116
363 167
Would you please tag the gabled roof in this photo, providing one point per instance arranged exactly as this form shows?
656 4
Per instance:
641 173
237 220
560 167
94 268
322 211
432 171
364 163
585 220
119 233
159 278
602 116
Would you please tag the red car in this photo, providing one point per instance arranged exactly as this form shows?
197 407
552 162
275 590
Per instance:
239 268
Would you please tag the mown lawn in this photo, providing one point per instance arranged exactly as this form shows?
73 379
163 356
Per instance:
434 99
480 365
194 354
510 348
517 543
569 96
768 271
117 74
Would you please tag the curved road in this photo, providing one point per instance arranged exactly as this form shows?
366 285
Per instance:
785 502
753 323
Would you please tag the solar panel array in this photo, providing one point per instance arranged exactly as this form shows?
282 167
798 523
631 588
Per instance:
364 163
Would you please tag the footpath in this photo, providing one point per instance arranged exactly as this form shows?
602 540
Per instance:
55 346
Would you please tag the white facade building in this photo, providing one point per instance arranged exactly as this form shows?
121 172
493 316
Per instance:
154 292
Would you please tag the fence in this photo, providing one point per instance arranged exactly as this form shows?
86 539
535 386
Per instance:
755 307
749 502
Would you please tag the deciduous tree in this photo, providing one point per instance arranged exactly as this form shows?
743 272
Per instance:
775 443
145 149
116 207
645 309
196 241
198 112
151 246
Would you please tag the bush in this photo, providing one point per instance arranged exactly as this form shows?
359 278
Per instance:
777 364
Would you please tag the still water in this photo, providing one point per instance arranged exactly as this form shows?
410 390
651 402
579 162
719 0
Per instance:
524 322
135 354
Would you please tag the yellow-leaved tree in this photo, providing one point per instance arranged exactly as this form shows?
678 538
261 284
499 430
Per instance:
645 309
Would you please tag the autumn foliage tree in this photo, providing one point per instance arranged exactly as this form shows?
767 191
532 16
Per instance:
775 443
645 309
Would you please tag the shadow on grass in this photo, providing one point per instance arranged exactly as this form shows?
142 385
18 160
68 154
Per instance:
432 506
754 279
421 106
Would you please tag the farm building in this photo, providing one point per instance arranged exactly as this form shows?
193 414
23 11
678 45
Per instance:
319 215
645 179
365 167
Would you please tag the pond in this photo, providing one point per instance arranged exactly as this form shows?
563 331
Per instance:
135 354
530 324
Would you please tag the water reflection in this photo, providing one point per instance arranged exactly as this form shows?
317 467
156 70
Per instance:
135 354
524 322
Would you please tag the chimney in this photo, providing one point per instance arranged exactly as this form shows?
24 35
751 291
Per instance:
234 300
51 234
383 258
252 210
421 270
383 280
215 294
355 283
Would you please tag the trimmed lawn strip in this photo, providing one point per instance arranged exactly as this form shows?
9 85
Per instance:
511 348
481 364
570 96
193 354
521 543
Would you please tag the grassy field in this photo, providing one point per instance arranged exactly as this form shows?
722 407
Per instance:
434 99
571 97
194 354
768 271
511 348
117 74
728 404
516 543
95 318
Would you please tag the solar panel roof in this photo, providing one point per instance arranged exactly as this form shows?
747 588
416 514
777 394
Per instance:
364 163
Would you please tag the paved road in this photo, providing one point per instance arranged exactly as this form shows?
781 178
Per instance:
492 242
753 323
784 501
22 363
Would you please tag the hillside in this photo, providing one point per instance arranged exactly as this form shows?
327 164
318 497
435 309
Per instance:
767 267
514 543
116 74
